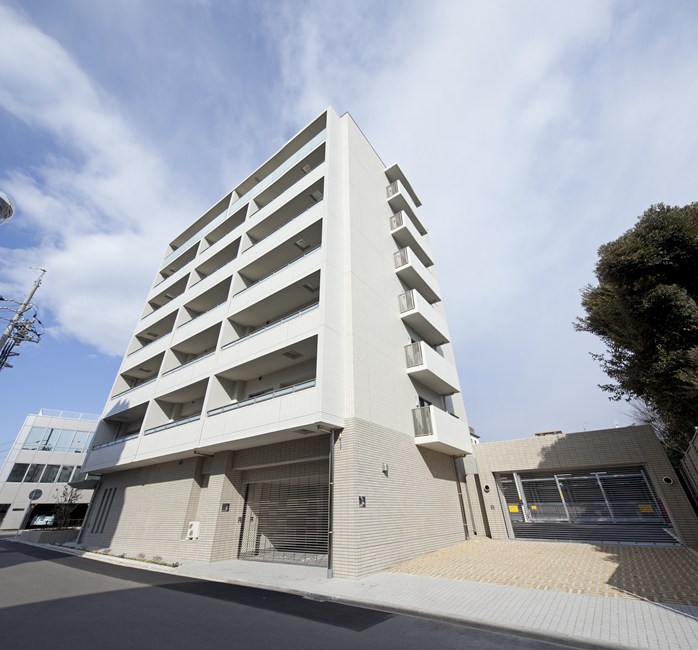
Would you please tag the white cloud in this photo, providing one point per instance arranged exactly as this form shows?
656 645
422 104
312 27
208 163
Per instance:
104 214
534 132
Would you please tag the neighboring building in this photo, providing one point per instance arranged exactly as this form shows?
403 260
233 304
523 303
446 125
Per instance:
290 392
48 452
689 468
610 485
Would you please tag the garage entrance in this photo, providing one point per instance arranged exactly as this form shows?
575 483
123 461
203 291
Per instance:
286 521
613 505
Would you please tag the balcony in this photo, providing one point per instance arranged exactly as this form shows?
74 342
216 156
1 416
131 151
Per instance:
423 318
216 262
204 303
435 429
428 367
406 234
170 272
287 253
176 408
272 394
400 199
167 295
415 275
189 238
290 211
151 334
191 350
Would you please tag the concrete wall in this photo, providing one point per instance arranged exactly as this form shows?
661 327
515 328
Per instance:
628 446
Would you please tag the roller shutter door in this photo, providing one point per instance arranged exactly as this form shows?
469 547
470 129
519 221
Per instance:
286 521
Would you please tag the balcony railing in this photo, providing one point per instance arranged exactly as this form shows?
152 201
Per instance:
273 324
406 301
128 390
188 363
212 273
146 344
117 441
285 266
401 258
73 415
272 394
203 313
422 421
174 423
396 221
300 214
413 354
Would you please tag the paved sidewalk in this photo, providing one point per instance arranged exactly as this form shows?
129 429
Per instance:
658 574
572 617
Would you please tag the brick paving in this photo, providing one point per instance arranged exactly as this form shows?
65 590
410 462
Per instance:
657 574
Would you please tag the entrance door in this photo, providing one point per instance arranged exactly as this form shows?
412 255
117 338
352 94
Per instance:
286 521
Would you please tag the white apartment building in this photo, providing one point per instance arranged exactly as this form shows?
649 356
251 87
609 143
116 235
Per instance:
289 393
48 452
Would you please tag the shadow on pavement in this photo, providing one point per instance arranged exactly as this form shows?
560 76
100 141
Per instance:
353 618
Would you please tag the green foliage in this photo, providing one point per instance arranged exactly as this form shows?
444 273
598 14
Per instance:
645 310
66 502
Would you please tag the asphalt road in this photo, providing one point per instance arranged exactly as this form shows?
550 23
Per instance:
52 600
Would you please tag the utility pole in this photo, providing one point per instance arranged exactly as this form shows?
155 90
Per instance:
19 329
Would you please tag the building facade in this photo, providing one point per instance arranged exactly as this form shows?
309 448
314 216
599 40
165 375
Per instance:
49 451
613 485
290 393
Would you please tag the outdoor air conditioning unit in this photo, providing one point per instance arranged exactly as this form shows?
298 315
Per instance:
193 530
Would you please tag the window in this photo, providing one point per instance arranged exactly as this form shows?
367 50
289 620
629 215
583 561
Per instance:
64 474
33 473
80 441
64 440
78 475
17 473
49 439
50 473
35 438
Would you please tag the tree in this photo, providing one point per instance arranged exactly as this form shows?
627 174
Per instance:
66 502
644 309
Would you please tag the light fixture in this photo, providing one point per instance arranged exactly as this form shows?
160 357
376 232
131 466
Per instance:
302 244
316 195
325 429
306 169
311 286
292 354
385 469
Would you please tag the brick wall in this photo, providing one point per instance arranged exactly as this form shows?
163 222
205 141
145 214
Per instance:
412 510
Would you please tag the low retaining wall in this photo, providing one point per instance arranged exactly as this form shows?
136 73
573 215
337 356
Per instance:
49 536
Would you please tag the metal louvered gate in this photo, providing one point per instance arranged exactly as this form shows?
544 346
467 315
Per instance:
286 521
614 505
